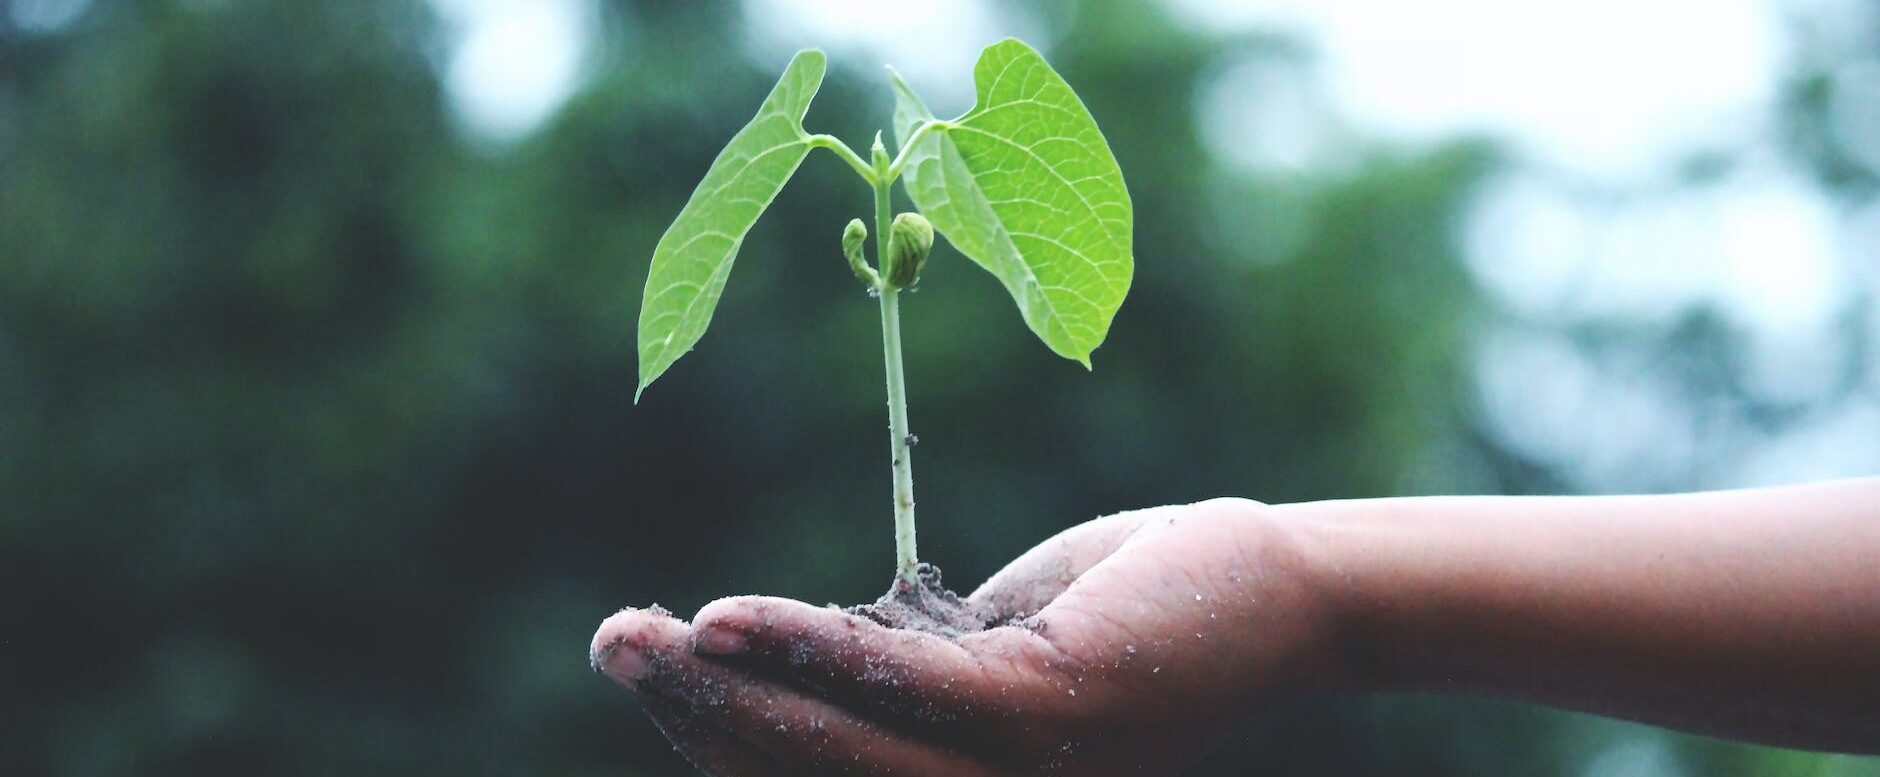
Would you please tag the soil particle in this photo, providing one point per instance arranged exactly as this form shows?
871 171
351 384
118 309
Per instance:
926 606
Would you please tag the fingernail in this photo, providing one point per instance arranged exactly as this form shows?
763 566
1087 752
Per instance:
719 641
622 663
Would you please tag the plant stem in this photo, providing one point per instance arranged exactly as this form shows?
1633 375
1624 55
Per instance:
903 461
847 154
907 149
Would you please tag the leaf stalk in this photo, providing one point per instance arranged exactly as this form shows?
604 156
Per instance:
847 155
901 452
913 139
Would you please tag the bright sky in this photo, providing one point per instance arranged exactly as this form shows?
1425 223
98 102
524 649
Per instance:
933 43
46 15
513 62
1602 102
1613 88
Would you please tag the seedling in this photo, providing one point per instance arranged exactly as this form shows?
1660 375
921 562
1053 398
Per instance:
1023 184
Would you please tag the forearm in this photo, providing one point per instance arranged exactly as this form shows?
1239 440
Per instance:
1749 614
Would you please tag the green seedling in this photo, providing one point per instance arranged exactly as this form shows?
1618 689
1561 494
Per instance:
1023 184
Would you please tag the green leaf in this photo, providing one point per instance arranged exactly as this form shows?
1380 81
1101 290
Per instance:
1025 185
694 257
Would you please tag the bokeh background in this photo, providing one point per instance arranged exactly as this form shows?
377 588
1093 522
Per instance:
317 449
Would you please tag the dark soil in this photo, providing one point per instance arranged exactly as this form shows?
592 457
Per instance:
927 607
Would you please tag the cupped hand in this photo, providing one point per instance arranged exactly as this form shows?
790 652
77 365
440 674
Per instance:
1133 643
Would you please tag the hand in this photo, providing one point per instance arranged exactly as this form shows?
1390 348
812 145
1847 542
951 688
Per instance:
1139 640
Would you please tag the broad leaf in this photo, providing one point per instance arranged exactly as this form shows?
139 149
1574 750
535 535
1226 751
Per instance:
1025 185
694 257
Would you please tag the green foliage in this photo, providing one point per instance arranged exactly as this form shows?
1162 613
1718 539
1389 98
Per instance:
1025 185
694 257
1030 191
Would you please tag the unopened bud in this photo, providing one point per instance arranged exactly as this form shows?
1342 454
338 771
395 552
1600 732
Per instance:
910 240
878 153
853 237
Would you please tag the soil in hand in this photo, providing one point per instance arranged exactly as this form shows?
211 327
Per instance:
927 606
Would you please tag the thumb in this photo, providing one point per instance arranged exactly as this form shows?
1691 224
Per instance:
1038 577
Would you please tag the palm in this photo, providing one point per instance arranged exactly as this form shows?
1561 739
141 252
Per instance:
1124 657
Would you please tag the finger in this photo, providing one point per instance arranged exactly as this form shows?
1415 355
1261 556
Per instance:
905 675
710 748
615 651
1034 579
805 734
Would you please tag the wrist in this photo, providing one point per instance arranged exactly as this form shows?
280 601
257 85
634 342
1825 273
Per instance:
1327 549
1302 639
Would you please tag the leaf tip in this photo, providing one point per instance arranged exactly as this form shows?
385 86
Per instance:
1011 41
814 59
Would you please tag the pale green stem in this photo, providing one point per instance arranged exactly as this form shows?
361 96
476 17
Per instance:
914 138
906 559
847 154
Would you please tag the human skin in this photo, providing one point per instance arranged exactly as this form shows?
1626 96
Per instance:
1747 614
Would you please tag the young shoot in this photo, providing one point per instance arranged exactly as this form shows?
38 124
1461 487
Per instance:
1023 185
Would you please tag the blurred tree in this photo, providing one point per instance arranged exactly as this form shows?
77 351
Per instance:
316 445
